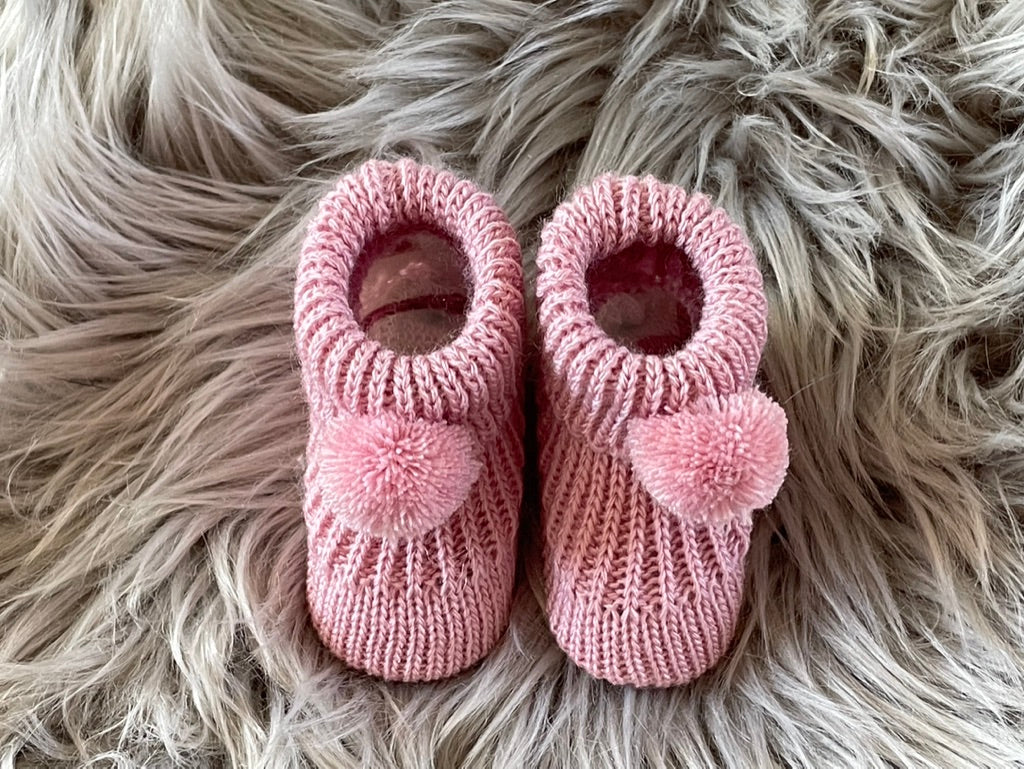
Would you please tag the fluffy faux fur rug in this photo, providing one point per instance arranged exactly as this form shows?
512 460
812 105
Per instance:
159 161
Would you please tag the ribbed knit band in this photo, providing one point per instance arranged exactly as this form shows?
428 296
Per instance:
424 607
637 594
597 385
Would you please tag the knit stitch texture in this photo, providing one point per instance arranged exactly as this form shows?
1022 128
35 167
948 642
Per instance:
647 592
413 478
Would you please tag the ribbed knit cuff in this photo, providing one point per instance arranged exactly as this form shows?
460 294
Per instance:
596 385
462 382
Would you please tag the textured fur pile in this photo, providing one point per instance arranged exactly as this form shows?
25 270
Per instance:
158 162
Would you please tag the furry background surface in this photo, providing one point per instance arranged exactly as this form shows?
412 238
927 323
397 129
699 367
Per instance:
159 160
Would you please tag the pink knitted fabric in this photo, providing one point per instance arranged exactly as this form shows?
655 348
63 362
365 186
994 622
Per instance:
651 464
413 477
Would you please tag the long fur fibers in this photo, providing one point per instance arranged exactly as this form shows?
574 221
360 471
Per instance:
158 161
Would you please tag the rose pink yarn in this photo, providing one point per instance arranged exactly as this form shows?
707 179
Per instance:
413 479
394 477
716 459
651 465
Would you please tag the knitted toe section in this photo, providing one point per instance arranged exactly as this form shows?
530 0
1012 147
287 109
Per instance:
418 609
636 594
413 477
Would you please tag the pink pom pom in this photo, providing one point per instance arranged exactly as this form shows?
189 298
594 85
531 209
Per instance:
717 459
395 478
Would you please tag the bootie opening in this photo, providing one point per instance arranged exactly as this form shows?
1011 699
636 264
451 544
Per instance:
647 298
410 290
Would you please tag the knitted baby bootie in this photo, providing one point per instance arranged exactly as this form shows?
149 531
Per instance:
655 446
409 324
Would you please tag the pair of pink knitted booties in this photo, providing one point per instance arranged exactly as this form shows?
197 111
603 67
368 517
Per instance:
655 446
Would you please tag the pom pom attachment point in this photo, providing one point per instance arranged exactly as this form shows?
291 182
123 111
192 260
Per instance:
395 478
717 459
